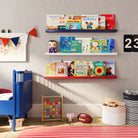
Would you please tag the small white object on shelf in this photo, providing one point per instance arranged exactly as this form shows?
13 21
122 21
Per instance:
81 54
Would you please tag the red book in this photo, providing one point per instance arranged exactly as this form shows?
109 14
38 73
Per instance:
110 21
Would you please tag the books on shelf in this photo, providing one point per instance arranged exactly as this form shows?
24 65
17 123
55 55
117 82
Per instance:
80 68
76 46
81 22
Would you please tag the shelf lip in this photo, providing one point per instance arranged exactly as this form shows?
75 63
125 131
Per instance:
81 54
82 31
83 77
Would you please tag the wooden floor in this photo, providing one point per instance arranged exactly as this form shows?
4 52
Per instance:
6 132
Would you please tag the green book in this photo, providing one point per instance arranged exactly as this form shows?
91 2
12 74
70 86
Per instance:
76 46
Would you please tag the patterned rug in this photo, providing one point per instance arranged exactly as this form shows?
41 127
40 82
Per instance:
80 132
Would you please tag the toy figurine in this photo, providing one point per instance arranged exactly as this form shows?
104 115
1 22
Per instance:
52 46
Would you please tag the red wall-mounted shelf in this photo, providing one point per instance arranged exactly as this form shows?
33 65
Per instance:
66 77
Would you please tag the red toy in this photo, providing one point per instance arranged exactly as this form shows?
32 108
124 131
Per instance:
84 118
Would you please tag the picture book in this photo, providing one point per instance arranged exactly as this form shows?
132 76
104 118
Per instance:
101 21
80 68
73 24
110 21
89 22
95 45
111 43
76 17
76 46
50 66
110 68
61 69
99 68
90 70
70 68
105 48
54 20
85 45
62 23
65 44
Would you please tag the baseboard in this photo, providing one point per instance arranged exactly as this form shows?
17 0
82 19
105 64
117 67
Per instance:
95 110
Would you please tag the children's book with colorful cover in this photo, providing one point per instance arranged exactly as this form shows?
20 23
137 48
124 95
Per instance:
85 45
89 22
71 65
50 66
80 68
73 24
95 45
110 21
61 69
70 17
62 23
54 20
76 46
101 22
99 68
65 44
90 70
105 48
111 43
110 68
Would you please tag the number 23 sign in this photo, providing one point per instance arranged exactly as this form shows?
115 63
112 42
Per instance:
130 43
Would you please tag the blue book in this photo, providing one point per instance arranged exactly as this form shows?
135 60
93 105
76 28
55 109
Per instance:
111 43
105 48
65 44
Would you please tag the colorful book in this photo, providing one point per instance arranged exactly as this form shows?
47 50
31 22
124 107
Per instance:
85 45
54 20
110 68
89 22
99 68
105 48
80 68
71 65
111 43
90 70
50 66
62 23
73 24
65 44
76 17
76 46
110 21
61 69
101 20
95 45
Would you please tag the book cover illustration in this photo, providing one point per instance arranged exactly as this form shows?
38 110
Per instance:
101 20
90 22
76 46
99 68
71 65
61 69
50 66
76 17
111 43
90 70
53 21
62 23
110 68
105 48
110 21
65 44
85 45
80 68
73 24
95 45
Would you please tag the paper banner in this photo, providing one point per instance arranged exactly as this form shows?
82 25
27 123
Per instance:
5 41
15 40
33 32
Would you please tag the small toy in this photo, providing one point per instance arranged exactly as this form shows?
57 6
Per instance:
52 46
70 117
84 118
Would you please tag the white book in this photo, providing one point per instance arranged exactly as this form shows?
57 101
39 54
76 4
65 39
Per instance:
85 44
101 22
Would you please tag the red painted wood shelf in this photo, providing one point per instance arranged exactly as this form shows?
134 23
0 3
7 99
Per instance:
66 77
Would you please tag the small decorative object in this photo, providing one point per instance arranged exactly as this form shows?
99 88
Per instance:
84 118
70 117
3 30
52 46
33 32
52 108
9 31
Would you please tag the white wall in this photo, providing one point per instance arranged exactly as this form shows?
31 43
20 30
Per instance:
22 15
